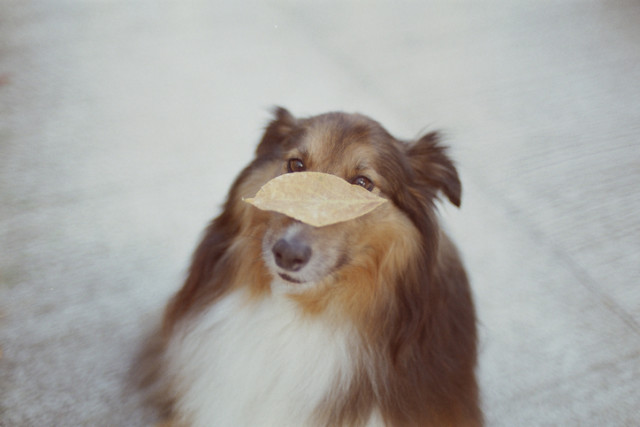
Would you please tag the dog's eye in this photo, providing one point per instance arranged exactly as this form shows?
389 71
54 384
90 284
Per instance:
363 181
295 165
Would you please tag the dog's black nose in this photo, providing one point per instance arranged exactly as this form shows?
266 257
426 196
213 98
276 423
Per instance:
291 254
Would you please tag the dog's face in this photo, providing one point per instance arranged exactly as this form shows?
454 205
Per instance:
351 147
301 257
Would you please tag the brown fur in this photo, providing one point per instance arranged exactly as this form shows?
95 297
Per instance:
399 280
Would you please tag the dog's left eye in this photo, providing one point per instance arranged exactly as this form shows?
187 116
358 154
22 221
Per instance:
295 165
363 181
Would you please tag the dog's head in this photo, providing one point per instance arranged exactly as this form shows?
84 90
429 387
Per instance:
362 152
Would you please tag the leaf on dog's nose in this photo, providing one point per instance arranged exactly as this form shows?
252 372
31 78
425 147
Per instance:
315 198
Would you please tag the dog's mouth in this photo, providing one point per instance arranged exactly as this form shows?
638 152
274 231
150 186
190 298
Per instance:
290 279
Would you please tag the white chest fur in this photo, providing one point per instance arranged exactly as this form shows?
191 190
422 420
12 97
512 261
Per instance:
258 363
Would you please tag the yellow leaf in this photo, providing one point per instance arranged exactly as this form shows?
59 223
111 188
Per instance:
315 198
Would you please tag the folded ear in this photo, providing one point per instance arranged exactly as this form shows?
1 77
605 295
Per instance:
433 168
278 130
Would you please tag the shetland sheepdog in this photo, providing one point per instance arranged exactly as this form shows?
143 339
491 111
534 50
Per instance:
367 322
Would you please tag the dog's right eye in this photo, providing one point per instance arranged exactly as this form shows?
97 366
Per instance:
295 165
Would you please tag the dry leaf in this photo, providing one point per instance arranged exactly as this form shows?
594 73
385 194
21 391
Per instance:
315 198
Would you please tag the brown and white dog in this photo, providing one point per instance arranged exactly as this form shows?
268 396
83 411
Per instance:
367 322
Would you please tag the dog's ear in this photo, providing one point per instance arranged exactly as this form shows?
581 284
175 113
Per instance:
433 168
278 130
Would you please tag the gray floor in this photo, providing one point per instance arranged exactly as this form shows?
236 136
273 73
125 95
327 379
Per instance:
123 123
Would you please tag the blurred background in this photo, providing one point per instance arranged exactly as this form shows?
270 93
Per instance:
122 125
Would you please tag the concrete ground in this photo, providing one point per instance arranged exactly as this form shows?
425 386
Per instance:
123 123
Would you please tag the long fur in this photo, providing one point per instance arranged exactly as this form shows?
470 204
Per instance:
378 329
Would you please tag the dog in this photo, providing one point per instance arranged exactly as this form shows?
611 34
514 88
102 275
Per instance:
367 322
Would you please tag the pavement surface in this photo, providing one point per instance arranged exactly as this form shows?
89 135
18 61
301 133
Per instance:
122 125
